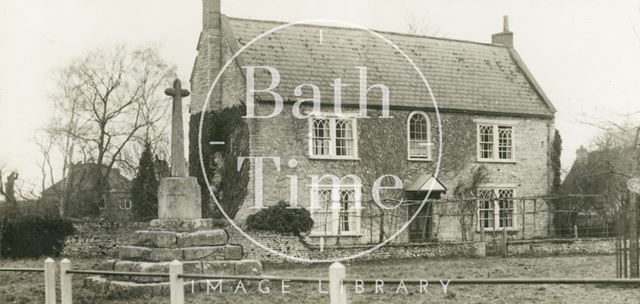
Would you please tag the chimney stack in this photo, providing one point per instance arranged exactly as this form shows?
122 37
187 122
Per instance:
210 14
504 38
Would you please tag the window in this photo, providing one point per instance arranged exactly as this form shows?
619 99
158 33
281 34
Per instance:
125 204
322 216
495 206
102 204
347 202
485 208
333 137
418 136
337 211
495 142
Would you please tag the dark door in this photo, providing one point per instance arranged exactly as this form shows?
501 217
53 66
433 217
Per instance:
420 227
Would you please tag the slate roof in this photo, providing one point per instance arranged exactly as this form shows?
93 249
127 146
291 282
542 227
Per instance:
463 75
85 174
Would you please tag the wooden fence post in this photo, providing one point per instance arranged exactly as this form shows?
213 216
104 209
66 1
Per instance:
176 284
65 282
337 293
504 242
49 281
575 231
633 236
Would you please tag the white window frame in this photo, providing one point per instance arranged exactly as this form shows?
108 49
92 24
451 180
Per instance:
495 125
332 136
124 203
335 212
496 208
409 140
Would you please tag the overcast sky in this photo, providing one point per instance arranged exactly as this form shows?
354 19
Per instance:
585 54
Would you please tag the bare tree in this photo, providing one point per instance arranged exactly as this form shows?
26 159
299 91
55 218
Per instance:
108 100
420 26
45 142
618 140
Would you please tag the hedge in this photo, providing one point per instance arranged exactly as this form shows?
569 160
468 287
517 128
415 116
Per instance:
32 236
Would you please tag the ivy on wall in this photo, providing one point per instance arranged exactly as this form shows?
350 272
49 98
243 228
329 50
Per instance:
229 184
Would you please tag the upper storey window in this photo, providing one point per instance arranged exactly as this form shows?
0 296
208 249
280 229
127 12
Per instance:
495 142
333 137
418 136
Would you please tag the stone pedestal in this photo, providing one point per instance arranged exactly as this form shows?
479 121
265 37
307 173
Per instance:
179 198
199 244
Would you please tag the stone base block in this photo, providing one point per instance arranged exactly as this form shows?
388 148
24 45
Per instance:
135 253
219 252
157 239
179 198
203 238
184 225
226 252
165 254
136 286
172 239
240 267
131 290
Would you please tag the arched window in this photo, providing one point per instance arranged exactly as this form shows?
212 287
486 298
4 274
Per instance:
418 136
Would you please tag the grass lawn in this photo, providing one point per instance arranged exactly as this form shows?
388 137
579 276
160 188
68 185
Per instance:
28 288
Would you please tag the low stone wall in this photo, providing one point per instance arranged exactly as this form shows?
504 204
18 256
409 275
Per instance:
541 247
401 251
95 239
293 246
100 239
286 244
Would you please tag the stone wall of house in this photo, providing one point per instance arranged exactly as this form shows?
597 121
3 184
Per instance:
100 239
382 149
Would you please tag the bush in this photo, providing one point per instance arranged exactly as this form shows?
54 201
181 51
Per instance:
32 236
144 188
280 219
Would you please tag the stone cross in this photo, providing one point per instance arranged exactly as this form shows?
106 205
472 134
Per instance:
177 130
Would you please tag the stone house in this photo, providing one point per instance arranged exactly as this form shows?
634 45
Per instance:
115 206
489 115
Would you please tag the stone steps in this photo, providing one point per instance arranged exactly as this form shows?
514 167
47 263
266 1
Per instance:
172 239
238 267
197 243
219 252
133 290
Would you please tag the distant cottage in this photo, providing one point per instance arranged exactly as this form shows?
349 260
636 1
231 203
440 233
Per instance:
75 190
491 113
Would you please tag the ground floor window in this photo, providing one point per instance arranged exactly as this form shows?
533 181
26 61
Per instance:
125 204
336 211
496 208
